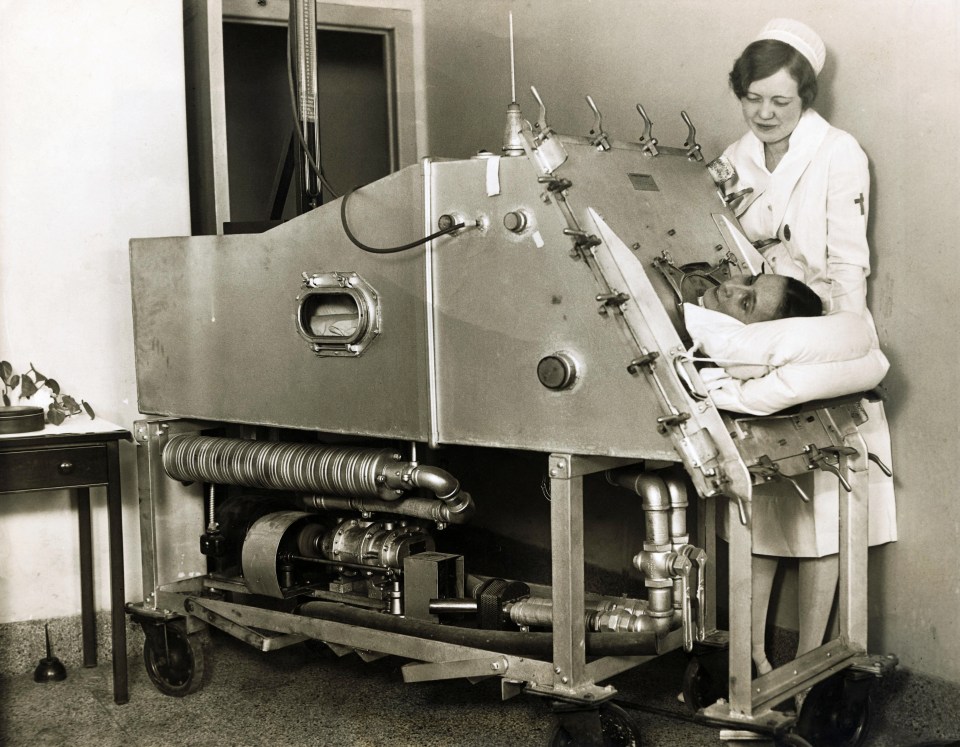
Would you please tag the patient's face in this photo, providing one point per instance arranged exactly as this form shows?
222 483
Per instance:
749 298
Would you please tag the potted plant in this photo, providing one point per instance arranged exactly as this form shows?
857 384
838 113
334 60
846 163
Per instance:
60 407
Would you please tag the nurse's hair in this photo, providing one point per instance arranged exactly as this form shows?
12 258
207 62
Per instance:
763 58
799 299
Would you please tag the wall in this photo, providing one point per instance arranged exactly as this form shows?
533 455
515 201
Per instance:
892 79
92 153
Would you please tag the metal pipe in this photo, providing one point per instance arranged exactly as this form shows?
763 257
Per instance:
655 502
331 470
506 642
442 484
420 508
677 491
338 470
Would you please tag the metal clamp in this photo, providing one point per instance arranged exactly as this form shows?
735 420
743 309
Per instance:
821 459
543 129
613 298
647 140
646 359
876 460
693 147
599 136
770 470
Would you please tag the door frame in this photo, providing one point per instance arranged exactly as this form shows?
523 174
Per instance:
205 89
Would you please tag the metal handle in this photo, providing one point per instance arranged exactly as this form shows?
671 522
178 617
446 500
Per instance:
65 468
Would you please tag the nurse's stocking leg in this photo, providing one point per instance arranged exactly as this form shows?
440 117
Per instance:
764 570
817 589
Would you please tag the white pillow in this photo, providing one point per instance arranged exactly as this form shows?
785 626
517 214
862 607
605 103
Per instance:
769 366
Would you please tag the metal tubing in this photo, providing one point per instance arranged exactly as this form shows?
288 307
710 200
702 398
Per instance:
678 511
506 642
421 508
656 503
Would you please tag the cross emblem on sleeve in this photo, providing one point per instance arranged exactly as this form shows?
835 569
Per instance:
859 201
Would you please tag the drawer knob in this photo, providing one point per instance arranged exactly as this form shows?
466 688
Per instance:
66 468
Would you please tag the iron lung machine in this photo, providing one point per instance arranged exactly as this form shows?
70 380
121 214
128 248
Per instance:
292 380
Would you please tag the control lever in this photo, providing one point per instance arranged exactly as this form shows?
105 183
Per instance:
543 129
770 470
600 137
820 458
698 559
876 460
682 568
647 140
691 144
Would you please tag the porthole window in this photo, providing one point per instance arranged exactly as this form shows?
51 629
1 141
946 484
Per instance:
338 313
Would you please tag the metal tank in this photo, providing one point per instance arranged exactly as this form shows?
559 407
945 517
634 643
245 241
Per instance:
520 302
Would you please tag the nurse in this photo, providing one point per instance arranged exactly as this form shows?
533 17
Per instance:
806 189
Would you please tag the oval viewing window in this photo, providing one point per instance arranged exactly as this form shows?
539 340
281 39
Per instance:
338 314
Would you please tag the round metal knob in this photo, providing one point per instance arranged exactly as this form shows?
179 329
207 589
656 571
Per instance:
448 220
515 221
65 468
557 371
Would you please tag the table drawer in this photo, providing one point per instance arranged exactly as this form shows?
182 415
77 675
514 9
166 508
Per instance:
50 469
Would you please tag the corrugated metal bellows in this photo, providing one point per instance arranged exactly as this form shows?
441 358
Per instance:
329 470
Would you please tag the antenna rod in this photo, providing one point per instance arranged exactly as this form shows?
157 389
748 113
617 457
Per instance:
513 71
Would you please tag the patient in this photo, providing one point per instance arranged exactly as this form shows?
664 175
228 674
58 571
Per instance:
762 298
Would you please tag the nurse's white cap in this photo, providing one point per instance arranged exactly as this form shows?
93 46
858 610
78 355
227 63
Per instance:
799 36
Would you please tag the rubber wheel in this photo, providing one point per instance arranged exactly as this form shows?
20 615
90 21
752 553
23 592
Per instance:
617 728
706 679
836 712
176 662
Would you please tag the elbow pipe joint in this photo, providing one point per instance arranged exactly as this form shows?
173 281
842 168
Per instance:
442 484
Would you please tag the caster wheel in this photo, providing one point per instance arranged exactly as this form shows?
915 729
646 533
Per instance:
617 729
176 662
836 712
706 679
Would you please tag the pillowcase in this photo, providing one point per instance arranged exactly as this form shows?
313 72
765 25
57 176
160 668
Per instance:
769 366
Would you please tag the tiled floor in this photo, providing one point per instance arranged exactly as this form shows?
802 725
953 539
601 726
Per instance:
295 697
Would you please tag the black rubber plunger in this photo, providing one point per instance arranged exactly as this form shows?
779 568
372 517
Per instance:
50 668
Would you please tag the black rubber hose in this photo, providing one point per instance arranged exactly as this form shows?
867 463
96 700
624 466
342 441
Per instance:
390 249
501 641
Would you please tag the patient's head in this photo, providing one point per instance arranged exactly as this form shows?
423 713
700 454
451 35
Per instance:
762 298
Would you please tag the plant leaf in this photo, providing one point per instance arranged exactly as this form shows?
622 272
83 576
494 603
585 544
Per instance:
6 371
55 415
54 386
69 404
86 406
27 387
6 399
14 381
37 376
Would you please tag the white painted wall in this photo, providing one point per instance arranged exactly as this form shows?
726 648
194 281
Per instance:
893 79
92 153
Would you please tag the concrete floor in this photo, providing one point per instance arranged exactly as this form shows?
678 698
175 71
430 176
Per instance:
296 696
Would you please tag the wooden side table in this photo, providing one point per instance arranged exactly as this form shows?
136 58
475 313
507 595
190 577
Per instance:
78 455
